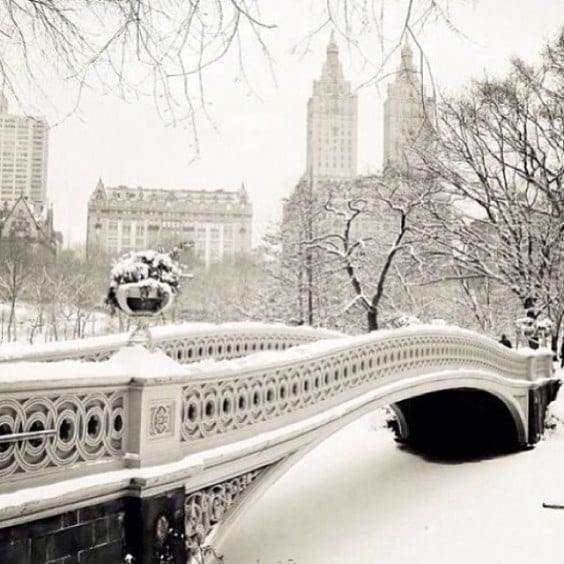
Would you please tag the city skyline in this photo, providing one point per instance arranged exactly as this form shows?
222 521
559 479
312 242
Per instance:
262 140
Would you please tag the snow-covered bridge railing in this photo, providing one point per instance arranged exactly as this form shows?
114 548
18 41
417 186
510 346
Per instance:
142 424
186 343
143 408
55 417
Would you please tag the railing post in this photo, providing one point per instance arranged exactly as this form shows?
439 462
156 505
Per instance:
539 366
155 412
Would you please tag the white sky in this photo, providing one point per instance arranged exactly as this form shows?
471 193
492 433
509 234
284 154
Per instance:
259 135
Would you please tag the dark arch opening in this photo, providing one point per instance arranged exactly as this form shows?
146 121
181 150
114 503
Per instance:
456 425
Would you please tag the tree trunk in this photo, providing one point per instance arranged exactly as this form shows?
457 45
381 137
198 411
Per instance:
54 324
372 318
12 334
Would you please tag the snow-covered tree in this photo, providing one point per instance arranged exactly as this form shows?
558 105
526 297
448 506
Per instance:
20 261
499 153
369 229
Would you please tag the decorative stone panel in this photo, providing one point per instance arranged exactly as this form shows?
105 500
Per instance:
60 430
161 419
206 508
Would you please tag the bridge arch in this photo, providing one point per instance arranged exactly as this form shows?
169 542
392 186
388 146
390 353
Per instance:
478 381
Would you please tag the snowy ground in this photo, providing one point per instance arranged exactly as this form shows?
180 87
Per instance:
360 498
28 328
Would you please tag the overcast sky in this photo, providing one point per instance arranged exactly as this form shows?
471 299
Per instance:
258 136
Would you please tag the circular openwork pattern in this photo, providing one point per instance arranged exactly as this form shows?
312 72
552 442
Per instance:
205 508
228 344
89 426
252 397
82 428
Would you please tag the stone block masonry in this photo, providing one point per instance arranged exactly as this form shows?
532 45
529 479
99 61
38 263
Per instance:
89 535
101 533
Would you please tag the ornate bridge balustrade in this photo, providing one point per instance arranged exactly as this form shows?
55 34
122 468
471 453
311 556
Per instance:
186 343
220 400
232 340
192 441
50 427
135 411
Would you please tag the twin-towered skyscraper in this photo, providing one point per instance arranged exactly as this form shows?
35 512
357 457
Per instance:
314 229
332 119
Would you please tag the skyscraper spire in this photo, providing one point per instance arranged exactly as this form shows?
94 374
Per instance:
332 121
332 71
407 67
406 113
332 46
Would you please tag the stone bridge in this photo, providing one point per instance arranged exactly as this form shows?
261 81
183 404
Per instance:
146 452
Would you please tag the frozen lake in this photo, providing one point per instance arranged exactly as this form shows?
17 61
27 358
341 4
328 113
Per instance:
361 498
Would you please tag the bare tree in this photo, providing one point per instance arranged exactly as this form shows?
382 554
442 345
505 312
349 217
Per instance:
390 207
500 156
69 293
20 261
305 274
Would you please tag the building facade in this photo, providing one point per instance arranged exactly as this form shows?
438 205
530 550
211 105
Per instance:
23 158
218 223
18 224
408 113
332 119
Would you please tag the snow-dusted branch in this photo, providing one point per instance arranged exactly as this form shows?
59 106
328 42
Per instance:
499 154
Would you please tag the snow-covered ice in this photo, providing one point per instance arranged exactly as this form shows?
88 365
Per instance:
360 498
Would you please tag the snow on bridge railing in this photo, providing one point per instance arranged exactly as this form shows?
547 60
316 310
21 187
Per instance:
61 416
186 343
144 408
226 398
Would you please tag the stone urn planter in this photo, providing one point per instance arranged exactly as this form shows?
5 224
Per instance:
143 285
144 299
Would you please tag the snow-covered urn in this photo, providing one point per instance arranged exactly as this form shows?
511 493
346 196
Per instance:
145 298
143 284
531 328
